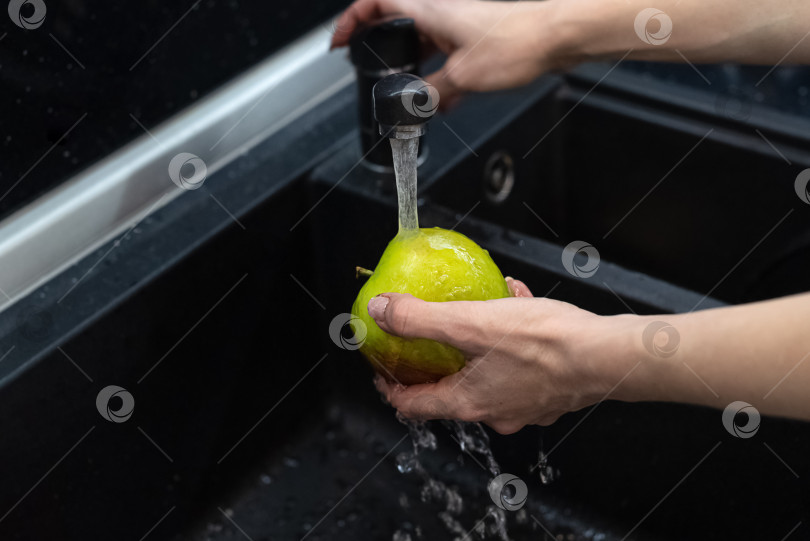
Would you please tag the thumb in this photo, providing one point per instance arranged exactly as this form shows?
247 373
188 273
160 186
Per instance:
518 288
406 316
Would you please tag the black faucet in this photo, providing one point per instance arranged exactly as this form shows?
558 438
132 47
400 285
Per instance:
387 47
403 103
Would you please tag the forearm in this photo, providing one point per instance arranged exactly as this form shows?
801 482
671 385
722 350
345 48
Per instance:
757 353
745 31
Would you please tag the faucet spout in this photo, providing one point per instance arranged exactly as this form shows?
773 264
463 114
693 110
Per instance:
403 104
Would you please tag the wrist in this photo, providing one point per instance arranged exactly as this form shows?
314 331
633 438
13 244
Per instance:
613 357
646 358
563 34
590 30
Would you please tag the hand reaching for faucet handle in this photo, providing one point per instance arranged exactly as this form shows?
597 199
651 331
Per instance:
499 45
480 56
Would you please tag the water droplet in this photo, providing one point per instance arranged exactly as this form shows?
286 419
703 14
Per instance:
406 462
399 535
546 472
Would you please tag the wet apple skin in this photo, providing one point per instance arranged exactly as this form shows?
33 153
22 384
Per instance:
432 264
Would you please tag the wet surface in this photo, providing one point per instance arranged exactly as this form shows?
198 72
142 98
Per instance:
340 480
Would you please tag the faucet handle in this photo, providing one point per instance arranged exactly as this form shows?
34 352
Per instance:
390 46
403 103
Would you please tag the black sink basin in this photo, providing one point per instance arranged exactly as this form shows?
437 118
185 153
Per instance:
250 422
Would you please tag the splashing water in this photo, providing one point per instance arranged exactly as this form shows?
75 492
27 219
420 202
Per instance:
547 473
404 152
471 438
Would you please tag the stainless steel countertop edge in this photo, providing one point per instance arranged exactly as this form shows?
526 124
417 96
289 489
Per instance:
115 194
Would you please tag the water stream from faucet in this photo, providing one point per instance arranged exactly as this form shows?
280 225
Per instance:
405 158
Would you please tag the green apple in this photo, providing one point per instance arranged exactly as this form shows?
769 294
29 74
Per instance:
433 265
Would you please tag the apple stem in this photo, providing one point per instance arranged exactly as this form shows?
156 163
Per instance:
360 271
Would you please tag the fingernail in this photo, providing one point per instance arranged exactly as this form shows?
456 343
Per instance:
509 279
376 307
